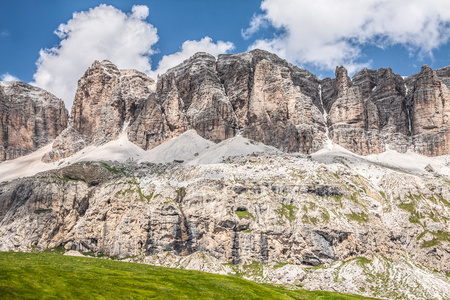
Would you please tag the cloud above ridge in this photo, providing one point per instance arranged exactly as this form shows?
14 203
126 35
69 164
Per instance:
8 77
103 32
188 49
326 33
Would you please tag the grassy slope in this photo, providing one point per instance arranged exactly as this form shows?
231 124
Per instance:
53 276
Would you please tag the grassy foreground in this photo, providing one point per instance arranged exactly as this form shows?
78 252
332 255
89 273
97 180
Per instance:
53 276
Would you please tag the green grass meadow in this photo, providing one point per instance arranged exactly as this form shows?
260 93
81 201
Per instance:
54 276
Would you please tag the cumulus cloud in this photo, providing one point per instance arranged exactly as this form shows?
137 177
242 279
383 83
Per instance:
257 22
326 33
188 49
103 32
8 77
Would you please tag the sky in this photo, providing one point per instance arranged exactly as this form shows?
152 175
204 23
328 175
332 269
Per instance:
51 43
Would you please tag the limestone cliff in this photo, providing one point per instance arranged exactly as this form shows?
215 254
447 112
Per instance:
105 103
255 93
29 119
349 218
378 108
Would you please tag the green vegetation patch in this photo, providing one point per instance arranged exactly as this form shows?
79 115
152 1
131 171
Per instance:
244 214
439 236
361 217
53 276
410 207
112 169
443 200
362 260
288 211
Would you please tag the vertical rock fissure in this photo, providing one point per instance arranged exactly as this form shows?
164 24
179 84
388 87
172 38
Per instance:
329 142
408 111
184 246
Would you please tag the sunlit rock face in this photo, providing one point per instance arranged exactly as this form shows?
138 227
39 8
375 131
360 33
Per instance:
105 103
275 102
377 108
263 98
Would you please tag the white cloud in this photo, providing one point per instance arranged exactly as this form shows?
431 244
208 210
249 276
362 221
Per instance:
188 49
327 33
257 22
103 32
8 77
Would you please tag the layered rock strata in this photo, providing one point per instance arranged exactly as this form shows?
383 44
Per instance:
260 210
29 119
105 103
377 109
264 98
256 94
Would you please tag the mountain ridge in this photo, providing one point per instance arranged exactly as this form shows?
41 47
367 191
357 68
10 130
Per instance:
264 98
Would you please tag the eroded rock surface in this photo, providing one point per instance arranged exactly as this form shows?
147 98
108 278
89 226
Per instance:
255 93
263 211
377 109
105 103
265 99
30 118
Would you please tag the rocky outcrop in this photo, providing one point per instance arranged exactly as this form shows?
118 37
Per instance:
368 112
269 210
255 93
377 109
430 109
105 103
275 102
189 96
265 99
30 118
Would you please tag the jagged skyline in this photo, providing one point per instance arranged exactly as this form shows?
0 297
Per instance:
151 36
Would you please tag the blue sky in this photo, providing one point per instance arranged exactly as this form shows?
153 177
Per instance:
44 43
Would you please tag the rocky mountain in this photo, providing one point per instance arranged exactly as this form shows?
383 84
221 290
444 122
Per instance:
265 99
105 102
377 109
336 221
256 94
30 118
222 165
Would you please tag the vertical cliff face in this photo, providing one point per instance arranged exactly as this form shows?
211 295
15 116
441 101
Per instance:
29 119
189 96
430 109
256 94
275 102
264 98
377 109
105 102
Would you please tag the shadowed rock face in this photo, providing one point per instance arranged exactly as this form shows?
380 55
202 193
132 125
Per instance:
189 96
275 102
255 93
29 119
